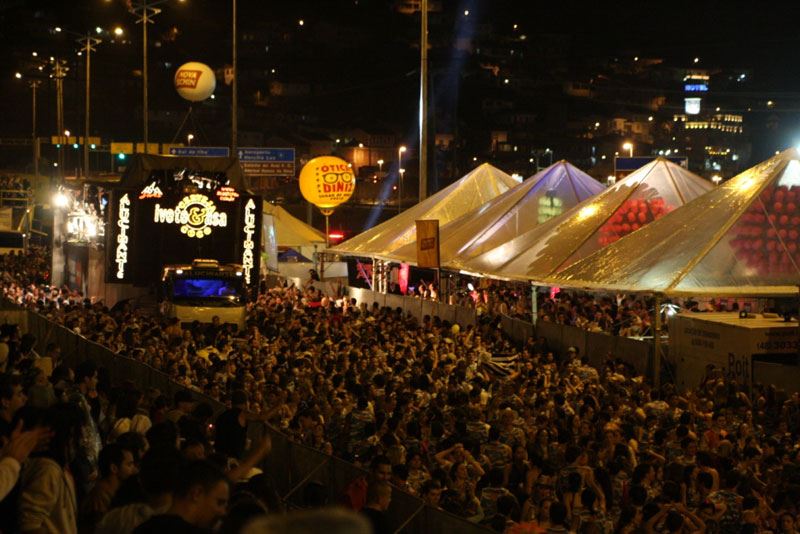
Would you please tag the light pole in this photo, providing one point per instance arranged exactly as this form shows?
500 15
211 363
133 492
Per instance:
88 43
145 11
423 103
380 166
59 73
629 147
400 171
234 91
34 84
400 191
189 139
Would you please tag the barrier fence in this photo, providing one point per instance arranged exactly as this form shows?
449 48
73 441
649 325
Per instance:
292 466
596 346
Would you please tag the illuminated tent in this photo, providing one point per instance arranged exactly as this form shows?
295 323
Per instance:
742 238
291 231
544 195
476 188
641 197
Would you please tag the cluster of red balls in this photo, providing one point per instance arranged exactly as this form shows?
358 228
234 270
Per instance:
632 215
766 236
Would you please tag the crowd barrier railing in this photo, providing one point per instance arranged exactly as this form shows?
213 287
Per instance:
559 338
292 466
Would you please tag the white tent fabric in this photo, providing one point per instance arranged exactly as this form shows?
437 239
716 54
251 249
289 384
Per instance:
468 193
640 198
291 231
546 194
742 238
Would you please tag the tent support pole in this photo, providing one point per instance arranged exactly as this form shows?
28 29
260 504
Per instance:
534 305
657 343
374 273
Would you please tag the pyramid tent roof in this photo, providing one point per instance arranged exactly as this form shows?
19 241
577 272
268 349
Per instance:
469 192
742 238
544 195
641 197
291 231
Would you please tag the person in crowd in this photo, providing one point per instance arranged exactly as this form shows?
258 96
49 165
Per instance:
12 398
116 465
48 501
199 502
355 495
379 496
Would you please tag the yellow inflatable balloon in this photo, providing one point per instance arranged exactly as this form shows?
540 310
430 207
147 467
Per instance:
327 181
195 81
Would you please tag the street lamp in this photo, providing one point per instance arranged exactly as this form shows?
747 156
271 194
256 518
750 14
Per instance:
400 170
716 179
380 165
88 43
189 139
629 147
145 11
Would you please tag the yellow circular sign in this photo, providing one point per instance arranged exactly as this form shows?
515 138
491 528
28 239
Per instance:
327 181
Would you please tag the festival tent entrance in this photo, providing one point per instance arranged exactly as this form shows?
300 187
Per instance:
547 194
468 193
742 238
640 198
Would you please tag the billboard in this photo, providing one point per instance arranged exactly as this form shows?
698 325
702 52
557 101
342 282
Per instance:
165 224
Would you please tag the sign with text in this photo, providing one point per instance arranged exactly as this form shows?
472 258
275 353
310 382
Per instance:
267 161
146 232
428 243
201 151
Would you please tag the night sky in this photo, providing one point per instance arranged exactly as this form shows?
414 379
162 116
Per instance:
379 56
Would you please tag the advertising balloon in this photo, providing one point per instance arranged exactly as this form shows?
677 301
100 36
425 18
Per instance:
195 81
327 181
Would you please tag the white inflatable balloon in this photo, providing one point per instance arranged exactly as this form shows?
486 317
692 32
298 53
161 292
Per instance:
195 81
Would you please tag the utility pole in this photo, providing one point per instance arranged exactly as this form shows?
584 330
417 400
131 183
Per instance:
423 103
145 11
88 43
35 141
235 95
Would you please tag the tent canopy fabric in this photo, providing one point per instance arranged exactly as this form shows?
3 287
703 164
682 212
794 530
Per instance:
291 231
544 195
476 188
742 238
641 197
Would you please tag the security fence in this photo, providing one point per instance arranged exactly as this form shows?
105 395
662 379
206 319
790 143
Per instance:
597 346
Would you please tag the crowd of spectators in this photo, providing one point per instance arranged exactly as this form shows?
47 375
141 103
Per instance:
515 437
13 189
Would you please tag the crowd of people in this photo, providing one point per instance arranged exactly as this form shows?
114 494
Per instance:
512 436
14 189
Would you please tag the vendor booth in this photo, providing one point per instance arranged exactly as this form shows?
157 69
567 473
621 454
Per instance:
731 343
